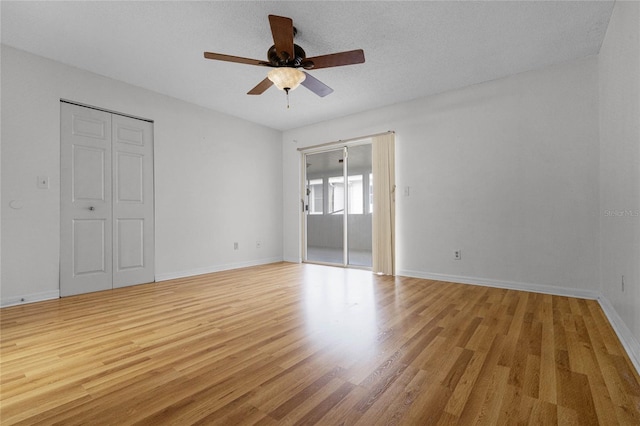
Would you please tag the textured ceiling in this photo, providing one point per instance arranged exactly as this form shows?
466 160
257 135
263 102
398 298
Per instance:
412 49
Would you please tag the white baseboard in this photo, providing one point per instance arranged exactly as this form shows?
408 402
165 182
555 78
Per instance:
55 294
513 285
217 268
29 298
628 341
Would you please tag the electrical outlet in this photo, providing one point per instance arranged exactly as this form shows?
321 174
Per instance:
258 244
235 246
457 254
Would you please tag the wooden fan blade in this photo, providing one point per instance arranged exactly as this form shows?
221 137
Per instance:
230 58
316 86
337 59
282 31
261 87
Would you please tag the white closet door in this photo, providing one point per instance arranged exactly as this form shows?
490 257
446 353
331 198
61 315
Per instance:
133 232
107 206
85 192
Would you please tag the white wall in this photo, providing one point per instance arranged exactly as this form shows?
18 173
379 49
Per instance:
218 179
619 71
506 171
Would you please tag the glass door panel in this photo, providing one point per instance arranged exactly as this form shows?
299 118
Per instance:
325 207
359 206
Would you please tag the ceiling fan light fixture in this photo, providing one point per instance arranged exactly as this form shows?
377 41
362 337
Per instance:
286 78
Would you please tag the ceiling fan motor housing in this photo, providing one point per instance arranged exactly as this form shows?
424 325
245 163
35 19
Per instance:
282 59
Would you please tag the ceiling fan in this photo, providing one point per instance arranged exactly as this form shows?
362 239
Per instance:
285 58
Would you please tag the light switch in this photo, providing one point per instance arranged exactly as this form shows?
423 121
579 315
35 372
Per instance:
406 191
43 182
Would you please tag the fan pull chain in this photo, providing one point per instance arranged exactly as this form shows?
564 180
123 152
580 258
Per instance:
286 89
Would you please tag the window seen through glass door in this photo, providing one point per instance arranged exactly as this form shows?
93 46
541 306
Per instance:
315 189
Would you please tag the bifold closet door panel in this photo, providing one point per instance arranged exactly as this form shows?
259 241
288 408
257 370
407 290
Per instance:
133 236
85 200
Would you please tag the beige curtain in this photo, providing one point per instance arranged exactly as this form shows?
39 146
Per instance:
384 206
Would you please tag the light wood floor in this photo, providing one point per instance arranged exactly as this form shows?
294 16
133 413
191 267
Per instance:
307 344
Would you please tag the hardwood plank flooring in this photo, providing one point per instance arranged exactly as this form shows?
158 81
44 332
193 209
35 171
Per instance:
291 344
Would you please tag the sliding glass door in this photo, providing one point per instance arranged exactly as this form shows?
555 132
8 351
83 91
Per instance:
325 207
338 206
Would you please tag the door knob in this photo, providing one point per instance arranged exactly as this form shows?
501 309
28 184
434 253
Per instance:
92 208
